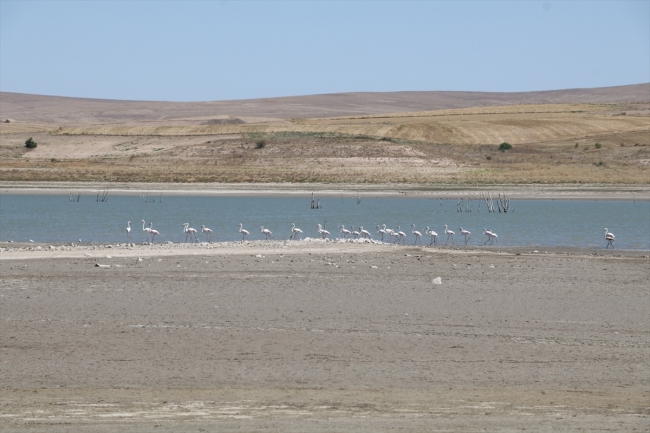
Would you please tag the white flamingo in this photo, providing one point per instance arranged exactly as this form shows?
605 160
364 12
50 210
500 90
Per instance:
491 236
417 234
390 233
465 233
364 233
147 230
401 236
345 231
434 236
295 231
382 231
207 231
354 232
450 234
609 237
244 233
128 231
189 231
266 232
153 232
323 233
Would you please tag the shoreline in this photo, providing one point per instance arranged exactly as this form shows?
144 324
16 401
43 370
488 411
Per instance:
608 192
106 252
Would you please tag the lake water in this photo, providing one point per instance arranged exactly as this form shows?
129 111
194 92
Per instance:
578 223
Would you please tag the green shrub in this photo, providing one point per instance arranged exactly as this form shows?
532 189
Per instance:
598 145
30 143
505 146
488 157
260 144
576 145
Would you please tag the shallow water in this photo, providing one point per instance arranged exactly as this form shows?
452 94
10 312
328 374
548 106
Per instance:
578 223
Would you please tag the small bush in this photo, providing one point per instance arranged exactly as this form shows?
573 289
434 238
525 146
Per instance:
601 163
386 139
576 145
488 157
598 145
30 143
260 144
505 146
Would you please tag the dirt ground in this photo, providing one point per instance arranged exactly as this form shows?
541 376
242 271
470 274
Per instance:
323 337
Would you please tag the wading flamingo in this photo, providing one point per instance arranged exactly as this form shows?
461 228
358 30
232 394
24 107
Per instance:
153 232
364 233
295 231
465 233
450 234
146 230
609 237
207 231
323 233
128 231
244 233
354 232
401 236
345 231
434 236
417 234
189 231
266 232
381 231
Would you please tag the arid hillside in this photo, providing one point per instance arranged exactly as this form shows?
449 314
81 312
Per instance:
546 143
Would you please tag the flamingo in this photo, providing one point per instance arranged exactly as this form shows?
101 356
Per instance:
153 232
449 234
207 231
323 233
382 231
295 231
400 234
244 233
417 234
147 230
128 231
434 236
491 236
354 232
364 233
189 231
465 233
390 233
609 237
345 231
266 232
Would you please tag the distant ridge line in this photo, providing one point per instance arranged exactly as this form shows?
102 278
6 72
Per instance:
23 107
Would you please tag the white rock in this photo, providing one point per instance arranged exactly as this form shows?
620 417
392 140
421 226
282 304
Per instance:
437 280
97 265
374 267
492 266
109 257
139 259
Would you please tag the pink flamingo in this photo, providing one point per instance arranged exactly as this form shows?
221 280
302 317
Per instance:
207 231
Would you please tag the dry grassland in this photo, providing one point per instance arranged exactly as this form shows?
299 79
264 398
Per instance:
552 143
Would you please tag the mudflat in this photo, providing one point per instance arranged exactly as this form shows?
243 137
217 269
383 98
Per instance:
308 336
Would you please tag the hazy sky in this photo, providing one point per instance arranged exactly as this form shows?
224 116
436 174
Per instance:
191 51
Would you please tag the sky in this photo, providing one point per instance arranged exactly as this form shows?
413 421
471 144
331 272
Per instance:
219 50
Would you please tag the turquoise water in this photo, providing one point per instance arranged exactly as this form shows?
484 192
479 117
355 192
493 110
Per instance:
578 223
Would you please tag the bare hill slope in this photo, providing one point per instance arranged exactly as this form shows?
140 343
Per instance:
63 110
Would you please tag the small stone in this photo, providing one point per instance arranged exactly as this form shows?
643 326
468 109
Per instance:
139 259
374 267
109 257
97 265
437 280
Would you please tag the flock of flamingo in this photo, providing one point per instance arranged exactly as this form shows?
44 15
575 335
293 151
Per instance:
394 236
